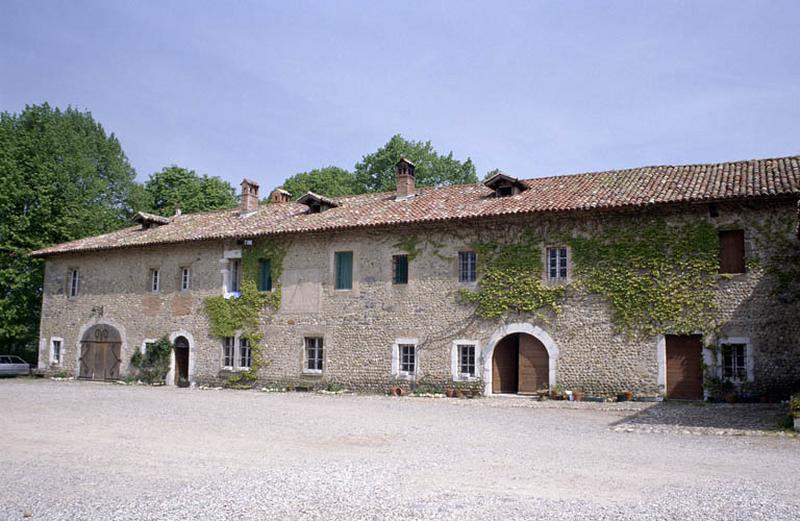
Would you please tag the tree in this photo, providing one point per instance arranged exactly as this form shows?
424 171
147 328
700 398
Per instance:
331 181
375 172
176 187
62 178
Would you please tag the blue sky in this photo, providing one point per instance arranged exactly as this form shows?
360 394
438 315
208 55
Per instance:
268 89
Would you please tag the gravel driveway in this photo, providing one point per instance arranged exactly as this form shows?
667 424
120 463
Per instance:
99 451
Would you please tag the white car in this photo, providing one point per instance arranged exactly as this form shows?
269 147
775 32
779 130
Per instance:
11 365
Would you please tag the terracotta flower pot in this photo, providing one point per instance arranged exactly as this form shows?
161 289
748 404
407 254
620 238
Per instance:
628 395
396 391
458 393
450 393
577 396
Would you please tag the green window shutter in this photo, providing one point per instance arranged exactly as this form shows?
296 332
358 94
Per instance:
344 269
400 269
264 275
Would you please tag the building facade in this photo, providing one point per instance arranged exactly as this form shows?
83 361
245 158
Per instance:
494 286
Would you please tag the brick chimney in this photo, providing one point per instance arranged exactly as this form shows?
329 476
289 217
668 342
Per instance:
406 178
279 195
248 202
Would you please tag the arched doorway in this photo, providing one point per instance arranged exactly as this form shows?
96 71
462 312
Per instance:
100 353
181 362
520 365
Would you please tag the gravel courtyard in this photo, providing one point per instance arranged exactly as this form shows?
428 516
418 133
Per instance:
79 450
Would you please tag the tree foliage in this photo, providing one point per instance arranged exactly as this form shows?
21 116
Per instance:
62 178
331 181
376 171
176 187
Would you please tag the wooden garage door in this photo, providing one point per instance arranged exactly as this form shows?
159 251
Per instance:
505 365
534 365
685 367
100 360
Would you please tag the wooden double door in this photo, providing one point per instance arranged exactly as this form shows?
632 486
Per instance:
520 365
100 356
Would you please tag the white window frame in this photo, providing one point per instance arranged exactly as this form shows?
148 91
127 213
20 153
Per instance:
748 358
234 343
396 362
562 253
320 352
155 280
186 278
74 288
455 361
226 262
53 360
466 254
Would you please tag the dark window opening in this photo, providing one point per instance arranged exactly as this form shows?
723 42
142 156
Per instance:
264 275
314 354
343 265
408 359
731 251
505 191
400 269
467 266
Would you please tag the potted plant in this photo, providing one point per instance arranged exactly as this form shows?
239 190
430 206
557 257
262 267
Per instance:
577 396
557 392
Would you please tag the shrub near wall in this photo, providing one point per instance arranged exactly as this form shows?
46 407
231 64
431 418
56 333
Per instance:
152 366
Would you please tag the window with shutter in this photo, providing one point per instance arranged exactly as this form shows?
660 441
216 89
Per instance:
265 275
343 262
731 251
400 269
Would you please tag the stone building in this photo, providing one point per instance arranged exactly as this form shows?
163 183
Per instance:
659 280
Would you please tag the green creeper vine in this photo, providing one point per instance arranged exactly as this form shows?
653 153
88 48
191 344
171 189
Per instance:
511 280
655 276
777 236
227 316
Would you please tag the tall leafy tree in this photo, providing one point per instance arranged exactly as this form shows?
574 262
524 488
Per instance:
331 181
175 187
375 172
62 178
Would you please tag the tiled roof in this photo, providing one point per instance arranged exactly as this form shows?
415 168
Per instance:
634 187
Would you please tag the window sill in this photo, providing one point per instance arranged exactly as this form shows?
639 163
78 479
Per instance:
311 372
465 378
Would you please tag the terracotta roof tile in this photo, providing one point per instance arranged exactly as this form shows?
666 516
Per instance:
612 189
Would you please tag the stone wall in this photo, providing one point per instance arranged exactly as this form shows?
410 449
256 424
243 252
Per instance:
361 326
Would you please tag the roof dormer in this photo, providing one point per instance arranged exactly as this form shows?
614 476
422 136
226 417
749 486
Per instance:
149 220
317 203
504 185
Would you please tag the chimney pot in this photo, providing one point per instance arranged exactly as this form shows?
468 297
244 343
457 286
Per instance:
248 202
406 178
279 195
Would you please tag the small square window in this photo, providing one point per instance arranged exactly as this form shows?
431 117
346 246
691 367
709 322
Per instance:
245 354
467 266
734 362
400 269
228 350
155 280
313 354
466 357
557 263
408 359
186 279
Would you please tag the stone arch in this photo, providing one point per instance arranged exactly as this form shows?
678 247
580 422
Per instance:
84 329
175 335
100 352
525 328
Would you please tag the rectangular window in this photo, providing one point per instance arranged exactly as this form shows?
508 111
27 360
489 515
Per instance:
228 351
235 269
56 351
343 265
186 279
557 263
467 266
313 354
408 358
466 355
731 251
154 280
245 354
74 282
734 361
400 269
264 275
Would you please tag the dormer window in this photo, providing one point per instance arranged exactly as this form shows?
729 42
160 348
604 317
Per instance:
149 220
505 185
317 203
